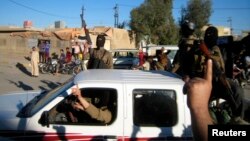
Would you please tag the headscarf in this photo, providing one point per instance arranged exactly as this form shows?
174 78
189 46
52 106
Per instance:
211 36
100 40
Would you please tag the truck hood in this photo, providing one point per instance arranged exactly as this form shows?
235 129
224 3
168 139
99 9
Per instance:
10 105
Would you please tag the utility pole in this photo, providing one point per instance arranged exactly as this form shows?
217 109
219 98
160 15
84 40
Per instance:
82 17
230 24
116 15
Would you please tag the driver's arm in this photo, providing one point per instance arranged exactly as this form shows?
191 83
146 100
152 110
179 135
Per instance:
101 114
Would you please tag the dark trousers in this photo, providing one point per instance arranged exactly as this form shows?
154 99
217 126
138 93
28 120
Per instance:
41 57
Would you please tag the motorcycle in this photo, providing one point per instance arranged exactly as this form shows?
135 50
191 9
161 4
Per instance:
73 67
48 67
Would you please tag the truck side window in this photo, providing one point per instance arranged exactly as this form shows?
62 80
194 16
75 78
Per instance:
154 107
104 99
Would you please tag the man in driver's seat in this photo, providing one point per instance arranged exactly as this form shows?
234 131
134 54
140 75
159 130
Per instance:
100 113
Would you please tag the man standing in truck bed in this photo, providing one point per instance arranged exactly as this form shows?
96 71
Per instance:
100 58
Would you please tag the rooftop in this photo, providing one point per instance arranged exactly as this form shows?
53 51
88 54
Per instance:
17 29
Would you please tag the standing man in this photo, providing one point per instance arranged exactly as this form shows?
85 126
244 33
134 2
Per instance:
76 48
68 56
100 58
47 51
235 97
181 62
34 62
141 57
221 86
41 46
85 49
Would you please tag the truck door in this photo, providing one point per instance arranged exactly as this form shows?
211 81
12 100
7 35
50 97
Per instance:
68 123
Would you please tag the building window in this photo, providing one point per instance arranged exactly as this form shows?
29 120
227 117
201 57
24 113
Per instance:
154 108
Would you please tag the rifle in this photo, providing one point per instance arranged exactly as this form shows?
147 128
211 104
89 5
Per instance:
84 26
217 73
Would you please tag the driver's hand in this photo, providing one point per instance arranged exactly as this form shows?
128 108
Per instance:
76 92
77 106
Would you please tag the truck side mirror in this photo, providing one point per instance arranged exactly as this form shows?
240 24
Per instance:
44 120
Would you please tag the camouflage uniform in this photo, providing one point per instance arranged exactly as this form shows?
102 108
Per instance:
180 63
199 61
186 44
222 87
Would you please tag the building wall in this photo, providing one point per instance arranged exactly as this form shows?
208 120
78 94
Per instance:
9 44
224 31
16 45
21 46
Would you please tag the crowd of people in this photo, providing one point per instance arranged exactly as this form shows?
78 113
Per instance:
98 58
40 54
200 63
160 61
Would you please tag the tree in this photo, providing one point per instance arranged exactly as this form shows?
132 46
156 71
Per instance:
198 12
153 19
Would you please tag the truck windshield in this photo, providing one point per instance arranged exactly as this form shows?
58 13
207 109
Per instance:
44 98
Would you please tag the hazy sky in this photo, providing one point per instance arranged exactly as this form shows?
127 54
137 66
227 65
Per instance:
44 13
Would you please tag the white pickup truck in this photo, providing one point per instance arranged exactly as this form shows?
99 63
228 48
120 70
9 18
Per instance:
145 105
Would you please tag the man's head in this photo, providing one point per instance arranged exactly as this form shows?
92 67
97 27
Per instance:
33 48
100 40
187 28
67 48
211 36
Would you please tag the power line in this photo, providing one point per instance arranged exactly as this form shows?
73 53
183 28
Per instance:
39 11
233 8
125 5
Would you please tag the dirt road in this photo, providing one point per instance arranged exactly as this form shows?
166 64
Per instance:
15 76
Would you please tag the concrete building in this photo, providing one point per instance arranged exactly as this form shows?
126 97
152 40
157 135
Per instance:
16 40
224 31
245 33
19 41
